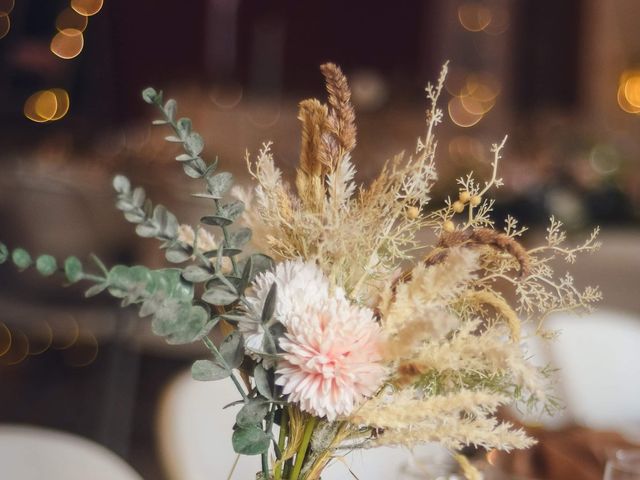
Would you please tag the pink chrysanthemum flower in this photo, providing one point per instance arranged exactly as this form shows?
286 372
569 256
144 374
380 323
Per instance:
331 358
299 284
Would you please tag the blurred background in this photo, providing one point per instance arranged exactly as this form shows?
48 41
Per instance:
562 79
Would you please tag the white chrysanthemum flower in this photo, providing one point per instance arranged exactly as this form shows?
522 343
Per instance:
332 358
298 285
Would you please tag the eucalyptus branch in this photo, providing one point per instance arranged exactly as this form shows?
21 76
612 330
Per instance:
220 358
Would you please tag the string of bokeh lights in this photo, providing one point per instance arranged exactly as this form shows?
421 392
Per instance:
473 94
53 104
79 348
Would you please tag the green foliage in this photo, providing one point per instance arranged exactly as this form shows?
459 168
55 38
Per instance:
252 412
251 440
265 381
46 265
73 269
207 370
4 253
21 258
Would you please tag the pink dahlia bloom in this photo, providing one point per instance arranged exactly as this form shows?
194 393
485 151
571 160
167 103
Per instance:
331 358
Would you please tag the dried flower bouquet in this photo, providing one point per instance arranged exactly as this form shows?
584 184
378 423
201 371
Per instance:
346 331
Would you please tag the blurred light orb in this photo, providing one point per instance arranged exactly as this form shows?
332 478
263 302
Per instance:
5 26
87 7
40 338
265 116
82 353
226 97
41 106
5 339
67 43
6 7
62 99
630 81
500 21
70 19
474 17
47 105
19 349
456 80
460 115
604 159
369 91
65 331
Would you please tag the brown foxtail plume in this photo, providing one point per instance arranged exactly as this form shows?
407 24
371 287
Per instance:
311 170
341 121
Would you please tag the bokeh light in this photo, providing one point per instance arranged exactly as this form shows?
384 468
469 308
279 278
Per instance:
5 339
67 43
83 352
62 100
474 17
6 7
499 21
5 25
40 337
65 331
226 97
47 105
19 349
460 115
39 103
70 19
87 7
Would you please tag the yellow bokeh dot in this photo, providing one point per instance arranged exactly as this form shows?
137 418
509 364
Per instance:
69 18
5 25
62 98
87 7
623 101
46 105
39 103
6 6
67 43
460 115
632 88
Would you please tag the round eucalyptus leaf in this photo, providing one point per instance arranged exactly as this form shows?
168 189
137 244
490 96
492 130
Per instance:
21 258
121 184
252 413
150 95
207 370
250 440
73 269
4 253
46 265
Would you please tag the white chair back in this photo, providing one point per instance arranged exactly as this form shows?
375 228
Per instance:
33 453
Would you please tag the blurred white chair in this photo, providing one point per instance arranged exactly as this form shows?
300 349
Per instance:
599 360
33 453
195 441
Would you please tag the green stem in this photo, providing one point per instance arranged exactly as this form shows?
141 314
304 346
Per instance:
226 244
225 232
302 451
265 465
284 430
216 353
93 278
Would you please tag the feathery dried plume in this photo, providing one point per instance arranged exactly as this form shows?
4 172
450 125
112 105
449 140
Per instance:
342 117
312 170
